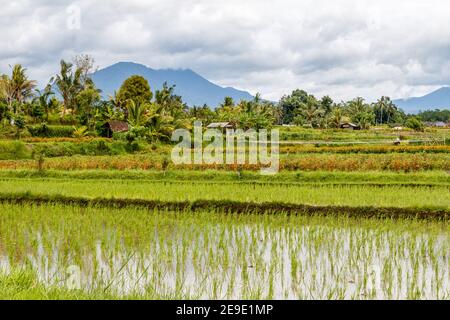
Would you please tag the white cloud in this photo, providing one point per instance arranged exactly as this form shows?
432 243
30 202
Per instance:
342 48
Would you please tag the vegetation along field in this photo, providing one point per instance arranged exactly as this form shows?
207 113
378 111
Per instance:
93 207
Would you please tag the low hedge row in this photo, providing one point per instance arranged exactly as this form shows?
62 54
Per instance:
236 207
13 150
46 131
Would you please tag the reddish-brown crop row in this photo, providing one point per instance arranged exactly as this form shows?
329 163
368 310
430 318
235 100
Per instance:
307 162
366 149
64 139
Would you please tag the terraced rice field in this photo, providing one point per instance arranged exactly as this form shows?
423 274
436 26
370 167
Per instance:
61 251
323 195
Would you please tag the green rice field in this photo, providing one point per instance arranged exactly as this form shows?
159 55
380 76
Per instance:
58 251
337 222
344 195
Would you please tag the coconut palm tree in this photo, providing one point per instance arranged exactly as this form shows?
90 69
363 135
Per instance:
115 102
7 91
16 88
159 124
69 84
310 110
391 109
383 105
356 106
336 116
23 87
136 112
44 99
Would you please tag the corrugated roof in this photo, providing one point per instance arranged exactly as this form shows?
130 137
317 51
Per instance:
220 125
349 124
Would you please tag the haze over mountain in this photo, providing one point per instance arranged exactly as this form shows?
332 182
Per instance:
194 89
439 99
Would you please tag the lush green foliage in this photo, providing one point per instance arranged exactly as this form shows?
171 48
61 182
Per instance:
135 88
337 195
285 177
46 131
13 150
414 124
138 226
435 115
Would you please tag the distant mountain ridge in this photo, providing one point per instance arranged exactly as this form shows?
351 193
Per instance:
439 99
194 89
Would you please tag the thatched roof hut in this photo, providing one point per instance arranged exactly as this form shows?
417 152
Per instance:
115 126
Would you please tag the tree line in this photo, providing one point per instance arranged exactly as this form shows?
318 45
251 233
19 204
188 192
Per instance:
71 98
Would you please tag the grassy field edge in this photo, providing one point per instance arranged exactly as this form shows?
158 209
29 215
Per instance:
435 177
228 206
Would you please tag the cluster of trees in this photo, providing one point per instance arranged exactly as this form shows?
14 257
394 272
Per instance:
256 114
153 119
20 101
304 109
71 97
435 115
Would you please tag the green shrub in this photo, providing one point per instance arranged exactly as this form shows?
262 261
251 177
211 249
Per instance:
117 148
12 150
447 141
415 124
133 147
120 136
46 131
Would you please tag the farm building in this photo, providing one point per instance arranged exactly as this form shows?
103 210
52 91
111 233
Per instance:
349 126
115 126
437 124
221 125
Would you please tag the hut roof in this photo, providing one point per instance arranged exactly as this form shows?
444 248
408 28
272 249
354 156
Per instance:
118 126
349 124
220 125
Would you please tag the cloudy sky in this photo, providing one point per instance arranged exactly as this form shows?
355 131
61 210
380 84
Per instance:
343 48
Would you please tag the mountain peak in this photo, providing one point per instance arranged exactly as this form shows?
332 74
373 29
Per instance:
438 99
126 65
194 89
443 89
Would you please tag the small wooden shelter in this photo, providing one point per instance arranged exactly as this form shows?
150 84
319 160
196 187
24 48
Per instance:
115 126
349 126
221 125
